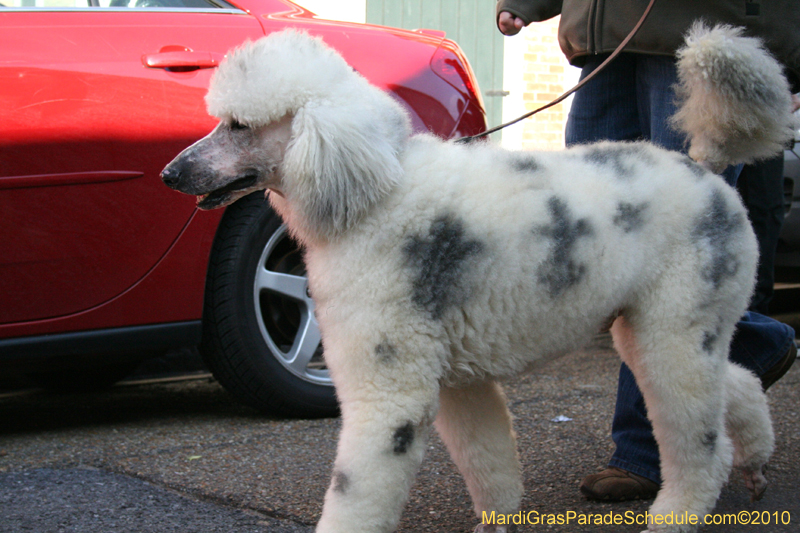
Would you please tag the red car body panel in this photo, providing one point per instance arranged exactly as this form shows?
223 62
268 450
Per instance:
91 238
80 104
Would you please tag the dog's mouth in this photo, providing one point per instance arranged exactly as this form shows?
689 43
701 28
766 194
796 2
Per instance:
224 195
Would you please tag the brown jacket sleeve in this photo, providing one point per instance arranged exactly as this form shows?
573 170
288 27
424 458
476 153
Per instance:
530 10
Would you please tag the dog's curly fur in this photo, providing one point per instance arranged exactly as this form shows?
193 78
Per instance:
438 269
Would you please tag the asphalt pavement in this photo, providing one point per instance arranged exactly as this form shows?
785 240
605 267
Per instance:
183 457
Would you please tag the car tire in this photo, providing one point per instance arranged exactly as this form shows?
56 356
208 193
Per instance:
260 337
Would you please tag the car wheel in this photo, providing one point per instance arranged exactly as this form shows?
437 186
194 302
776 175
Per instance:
260 336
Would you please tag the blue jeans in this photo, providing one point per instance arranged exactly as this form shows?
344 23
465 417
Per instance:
761 187
632 99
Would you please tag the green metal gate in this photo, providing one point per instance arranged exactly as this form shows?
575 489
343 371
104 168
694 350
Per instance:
471 23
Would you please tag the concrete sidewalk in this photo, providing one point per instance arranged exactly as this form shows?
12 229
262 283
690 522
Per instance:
184 457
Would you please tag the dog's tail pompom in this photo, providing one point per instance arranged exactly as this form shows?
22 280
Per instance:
734 102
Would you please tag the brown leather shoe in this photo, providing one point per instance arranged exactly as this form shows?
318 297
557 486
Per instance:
617 485
781 367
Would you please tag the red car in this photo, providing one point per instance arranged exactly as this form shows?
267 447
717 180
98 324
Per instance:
100 263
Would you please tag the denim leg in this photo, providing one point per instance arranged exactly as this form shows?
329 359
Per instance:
759 342
609 108
605 109
761 187
631 431
633 99
655 77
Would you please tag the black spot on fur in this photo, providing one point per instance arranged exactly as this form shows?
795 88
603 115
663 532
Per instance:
340 482
709 340
403 438
630 217
525 164
385 352
560 271
620 156
716 230
709 440
696 169
439 259
605 157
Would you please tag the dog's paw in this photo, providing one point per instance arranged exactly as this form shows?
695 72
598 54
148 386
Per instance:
756 483
493 528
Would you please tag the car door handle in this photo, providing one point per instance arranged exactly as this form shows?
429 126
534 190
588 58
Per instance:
182 60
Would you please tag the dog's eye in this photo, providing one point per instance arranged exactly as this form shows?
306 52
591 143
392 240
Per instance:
236 125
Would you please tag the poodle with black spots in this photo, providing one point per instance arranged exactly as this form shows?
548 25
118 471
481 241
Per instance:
439 269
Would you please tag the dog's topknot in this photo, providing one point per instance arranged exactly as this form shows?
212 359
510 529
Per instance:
260 82
734 101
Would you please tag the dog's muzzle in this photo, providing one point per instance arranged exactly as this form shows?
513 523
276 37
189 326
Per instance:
184 176
171 177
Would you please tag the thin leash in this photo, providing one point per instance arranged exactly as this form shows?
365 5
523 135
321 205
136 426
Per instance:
584 81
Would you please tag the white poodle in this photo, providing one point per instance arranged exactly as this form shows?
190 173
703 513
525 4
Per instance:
439 268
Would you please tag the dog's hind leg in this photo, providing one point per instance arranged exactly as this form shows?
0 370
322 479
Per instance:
748 423
475 425
682 387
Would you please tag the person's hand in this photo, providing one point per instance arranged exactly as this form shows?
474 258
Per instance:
795 99
509 24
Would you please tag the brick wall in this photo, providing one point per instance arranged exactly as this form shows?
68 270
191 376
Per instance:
543 79
538 73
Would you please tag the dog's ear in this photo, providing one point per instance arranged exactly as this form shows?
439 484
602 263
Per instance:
343 156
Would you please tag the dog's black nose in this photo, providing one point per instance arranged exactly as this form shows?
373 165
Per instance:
171 177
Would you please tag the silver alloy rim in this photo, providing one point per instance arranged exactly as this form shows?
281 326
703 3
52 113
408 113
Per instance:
303 357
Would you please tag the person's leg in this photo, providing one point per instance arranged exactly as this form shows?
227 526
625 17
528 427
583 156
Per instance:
631 431
608 108
761 187
636 449
605 109
655 77
761 343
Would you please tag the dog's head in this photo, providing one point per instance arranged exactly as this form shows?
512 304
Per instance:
297 119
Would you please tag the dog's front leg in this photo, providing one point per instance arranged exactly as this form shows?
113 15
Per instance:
475 425
381 446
